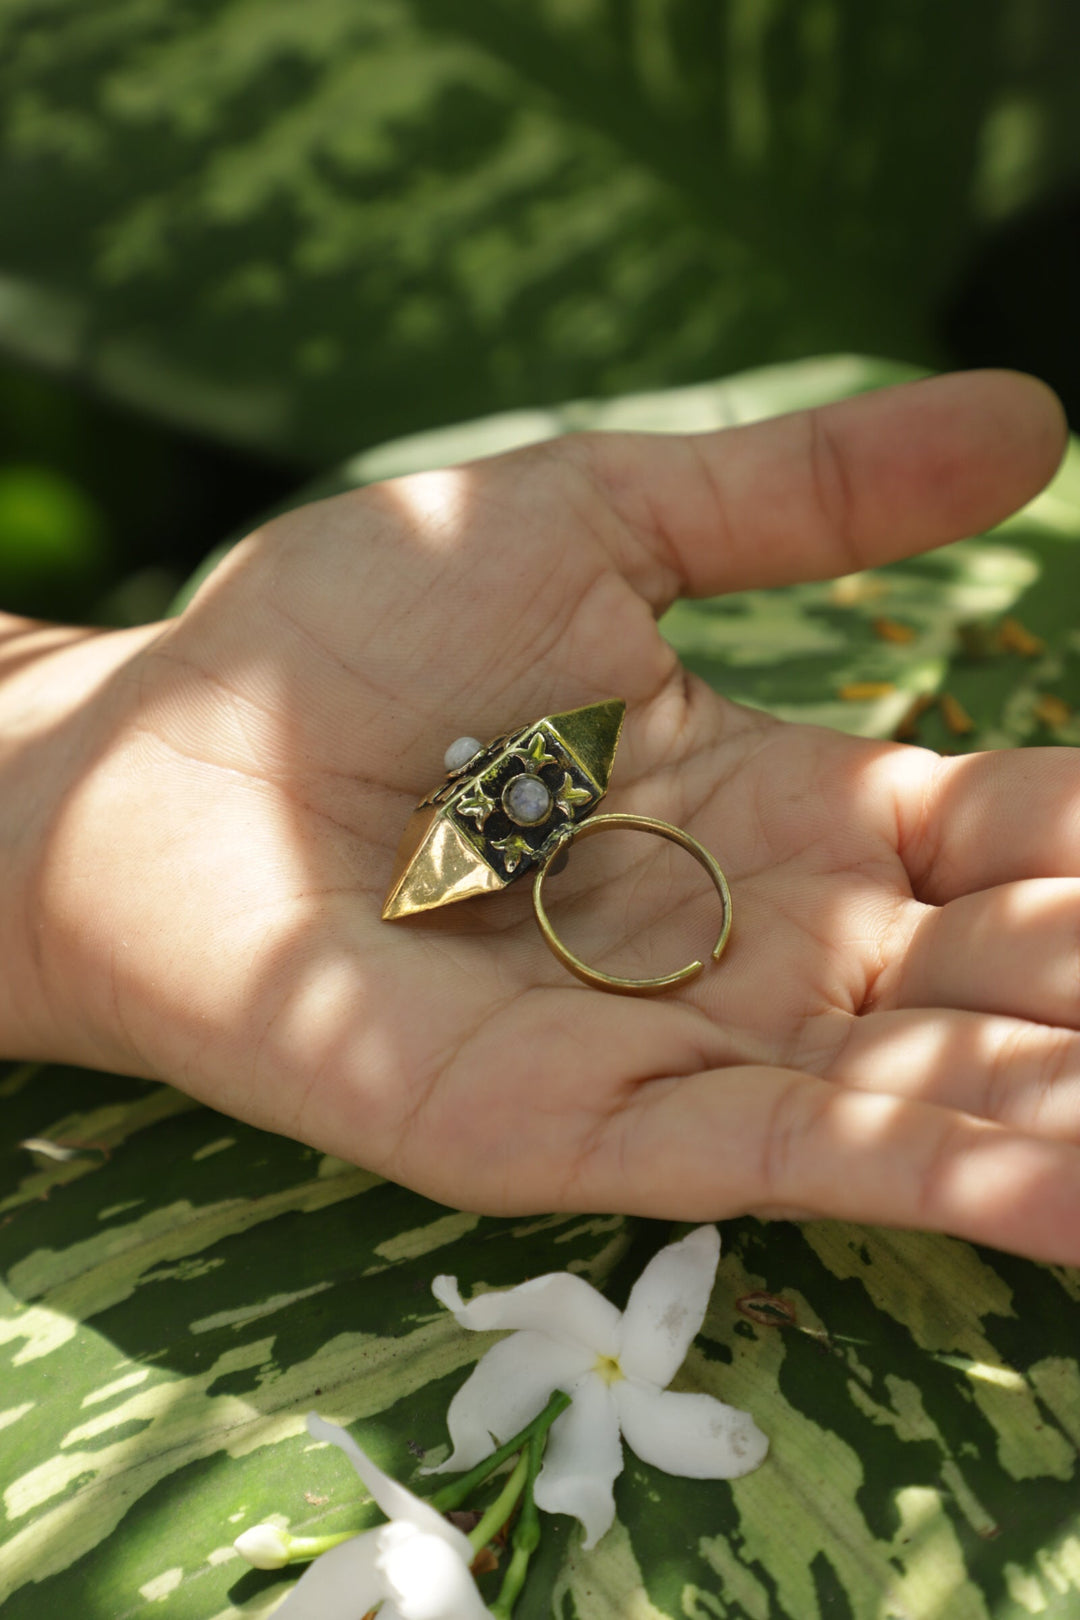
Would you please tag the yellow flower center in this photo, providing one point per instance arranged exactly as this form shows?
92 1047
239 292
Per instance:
609 1369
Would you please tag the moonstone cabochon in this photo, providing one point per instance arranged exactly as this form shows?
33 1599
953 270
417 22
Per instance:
527 800
436 864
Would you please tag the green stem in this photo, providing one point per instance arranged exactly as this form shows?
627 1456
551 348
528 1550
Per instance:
526 1534
502 1507
459 1490
303 1548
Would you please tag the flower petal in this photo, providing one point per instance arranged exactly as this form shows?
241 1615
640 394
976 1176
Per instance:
506 1389
342 1584
395 1501
561 1305
696 1436
584 1457
424 1579
667 1305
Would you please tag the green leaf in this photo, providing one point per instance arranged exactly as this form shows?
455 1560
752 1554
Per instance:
310 227
180 1289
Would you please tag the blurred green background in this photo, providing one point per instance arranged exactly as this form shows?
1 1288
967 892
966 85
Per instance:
242 239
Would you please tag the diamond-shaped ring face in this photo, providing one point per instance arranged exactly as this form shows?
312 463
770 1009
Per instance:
516 796
492 819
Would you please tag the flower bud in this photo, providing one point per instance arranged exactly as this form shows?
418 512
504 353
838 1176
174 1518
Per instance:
264 1546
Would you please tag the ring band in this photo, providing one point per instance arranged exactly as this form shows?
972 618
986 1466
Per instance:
608 981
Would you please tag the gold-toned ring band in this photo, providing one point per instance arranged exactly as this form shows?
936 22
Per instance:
607 981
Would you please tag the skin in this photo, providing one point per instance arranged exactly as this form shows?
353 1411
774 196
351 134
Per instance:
198 821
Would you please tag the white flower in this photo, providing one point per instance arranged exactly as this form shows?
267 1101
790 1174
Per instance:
417 1566
615 1366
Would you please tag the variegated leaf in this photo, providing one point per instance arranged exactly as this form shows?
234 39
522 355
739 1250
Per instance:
308 227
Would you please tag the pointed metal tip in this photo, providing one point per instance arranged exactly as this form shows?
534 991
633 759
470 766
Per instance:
592 733
435 866
396 906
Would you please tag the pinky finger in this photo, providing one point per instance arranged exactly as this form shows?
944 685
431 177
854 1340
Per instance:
754 1140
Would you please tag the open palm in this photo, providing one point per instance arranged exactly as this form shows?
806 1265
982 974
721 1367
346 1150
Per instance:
889 1037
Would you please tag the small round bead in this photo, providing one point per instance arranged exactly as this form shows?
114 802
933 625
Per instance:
460 752
527 800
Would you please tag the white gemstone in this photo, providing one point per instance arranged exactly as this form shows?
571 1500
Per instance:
527 800
460 752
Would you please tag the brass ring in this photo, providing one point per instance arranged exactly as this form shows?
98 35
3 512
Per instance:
607 981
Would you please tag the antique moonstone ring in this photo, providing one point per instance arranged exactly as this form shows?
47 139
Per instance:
515 805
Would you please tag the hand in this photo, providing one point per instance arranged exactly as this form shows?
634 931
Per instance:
891 1036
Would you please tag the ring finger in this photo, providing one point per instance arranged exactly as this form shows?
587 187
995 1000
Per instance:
1011 950
1016 1073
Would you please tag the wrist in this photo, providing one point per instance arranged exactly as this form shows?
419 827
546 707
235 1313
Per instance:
56 686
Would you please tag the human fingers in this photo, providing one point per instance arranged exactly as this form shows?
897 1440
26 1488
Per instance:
827 491
1014 949
1017 1073
979 820
771 1141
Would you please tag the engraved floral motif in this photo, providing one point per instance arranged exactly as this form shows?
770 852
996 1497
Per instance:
514 849
533 752
474 802
570 797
